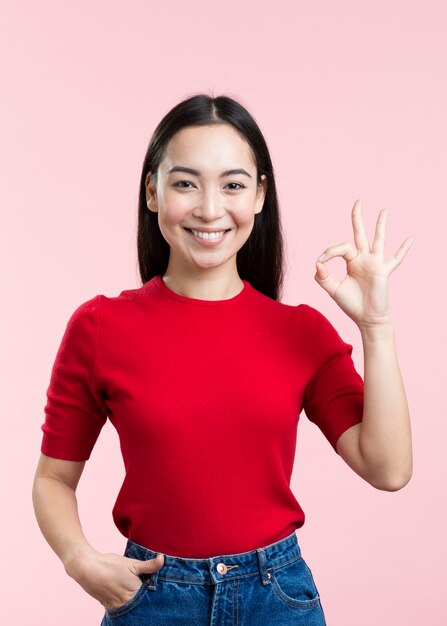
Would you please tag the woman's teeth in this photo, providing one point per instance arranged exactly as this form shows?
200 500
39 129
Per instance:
210 236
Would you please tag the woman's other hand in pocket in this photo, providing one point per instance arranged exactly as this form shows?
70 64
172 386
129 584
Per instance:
111 579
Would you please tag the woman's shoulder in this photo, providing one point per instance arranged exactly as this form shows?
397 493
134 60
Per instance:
302 310
100 304
316 321
302 318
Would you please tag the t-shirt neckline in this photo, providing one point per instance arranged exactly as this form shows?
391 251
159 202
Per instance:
163 287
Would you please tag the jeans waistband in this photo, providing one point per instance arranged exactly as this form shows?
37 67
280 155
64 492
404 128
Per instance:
223 567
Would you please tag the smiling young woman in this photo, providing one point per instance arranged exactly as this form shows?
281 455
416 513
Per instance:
204 372
207 218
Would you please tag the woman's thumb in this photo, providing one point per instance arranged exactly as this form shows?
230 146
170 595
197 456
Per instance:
151 565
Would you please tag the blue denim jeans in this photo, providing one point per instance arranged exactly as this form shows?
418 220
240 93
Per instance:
270 585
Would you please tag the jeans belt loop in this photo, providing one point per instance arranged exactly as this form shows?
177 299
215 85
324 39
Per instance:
263 569
151 578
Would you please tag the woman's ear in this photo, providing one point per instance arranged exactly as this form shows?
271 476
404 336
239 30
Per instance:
260 194
151 194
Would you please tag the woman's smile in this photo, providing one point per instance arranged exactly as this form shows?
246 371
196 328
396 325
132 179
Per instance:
208 238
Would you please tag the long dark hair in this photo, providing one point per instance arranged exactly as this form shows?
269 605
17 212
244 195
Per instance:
260 261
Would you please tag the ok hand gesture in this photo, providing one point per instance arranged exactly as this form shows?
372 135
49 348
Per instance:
362 294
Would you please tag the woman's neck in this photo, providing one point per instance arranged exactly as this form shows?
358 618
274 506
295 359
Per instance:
204 286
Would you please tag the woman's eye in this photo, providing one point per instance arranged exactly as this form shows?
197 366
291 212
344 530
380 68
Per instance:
180 184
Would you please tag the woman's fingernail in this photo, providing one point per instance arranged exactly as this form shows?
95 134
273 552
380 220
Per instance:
321 257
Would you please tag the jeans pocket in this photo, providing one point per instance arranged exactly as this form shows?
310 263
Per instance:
293 584
132 603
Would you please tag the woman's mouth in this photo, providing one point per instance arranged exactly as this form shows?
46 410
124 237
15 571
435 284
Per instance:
208 238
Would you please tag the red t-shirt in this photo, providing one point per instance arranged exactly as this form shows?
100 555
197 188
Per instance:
205 396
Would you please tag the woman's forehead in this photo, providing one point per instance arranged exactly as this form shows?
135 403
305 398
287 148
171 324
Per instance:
208 149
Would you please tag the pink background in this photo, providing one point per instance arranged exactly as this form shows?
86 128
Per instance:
352 99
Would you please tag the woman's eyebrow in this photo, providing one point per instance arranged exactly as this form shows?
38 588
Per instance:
190 170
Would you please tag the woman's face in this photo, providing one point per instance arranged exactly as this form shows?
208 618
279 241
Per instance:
207 197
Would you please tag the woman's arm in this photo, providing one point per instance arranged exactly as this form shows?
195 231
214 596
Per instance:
56 509
379 449
111 579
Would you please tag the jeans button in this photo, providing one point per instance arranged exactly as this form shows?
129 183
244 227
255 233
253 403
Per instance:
221 568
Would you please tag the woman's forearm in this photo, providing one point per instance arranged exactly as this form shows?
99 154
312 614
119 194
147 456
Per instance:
56 510
385 437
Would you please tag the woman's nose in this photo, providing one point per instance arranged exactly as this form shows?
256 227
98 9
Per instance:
210 206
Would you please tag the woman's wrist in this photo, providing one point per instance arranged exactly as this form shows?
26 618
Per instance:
76 559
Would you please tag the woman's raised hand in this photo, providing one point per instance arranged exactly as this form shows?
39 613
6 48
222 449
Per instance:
362 294
111 579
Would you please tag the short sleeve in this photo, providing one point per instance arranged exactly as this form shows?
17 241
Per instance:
333 398
75 410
